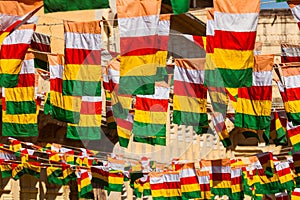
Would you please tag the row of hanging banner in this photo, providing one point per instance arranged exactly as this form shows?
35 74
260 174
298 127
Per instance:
259 176
229 71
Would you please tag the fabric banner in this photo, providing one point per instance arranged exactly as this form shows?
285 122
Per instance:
40 42
295 8
138 22
290 53
190 94
235 23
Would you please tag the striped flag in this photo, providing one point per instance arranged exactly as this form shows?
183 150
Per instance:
236 24
295 8
84 184
142 187
124 128
220 127
12 53
296 165
82 71
150 116
254 103
6 170
100 175
295 194
162 46
236 183
63 5
138 22
64 108
204 181
157 185
190 186
285 175
280 129
54 175
89 126
290 53
290 92
212 76
40 42
19 111
190 94
32 168
115 181
110 120
294 135
267 163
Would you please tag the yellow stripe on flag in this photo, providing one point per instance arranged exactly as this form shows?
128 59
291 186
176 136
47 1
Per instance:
66 102
254 107
135 65
189 104
19 94
6 66
150 117
82 72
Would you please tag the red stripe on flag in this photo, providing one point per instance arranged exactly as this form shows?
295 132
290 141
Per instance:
256 93
234 40
163 43
221 176
190 89
198 40
26 80
209 44
91 108
189 180
124 123
40 46
83 56
14 51
205 187
293 94
153 105
56 85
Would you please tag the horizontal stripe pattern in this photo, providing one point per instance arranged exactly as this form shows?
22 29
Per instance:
82 71
237 25
190 94
139 45
151 113
64 108
40 42
190 187
290 53
295 8
13 51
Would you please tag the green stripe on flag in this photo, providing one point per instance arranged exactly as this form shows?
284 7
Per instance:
294 117
197 120
142 85
9 80
65 115
84 133
81 88
65 5
19 130
236 78
252 122
21 107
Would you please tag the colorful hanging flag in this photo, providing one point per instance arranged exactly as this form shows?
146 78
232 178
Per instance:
254 104
82 71
40 42
64 5
20 114
55 175
190 187
6 170
100 175
12 53
68 174
267 163
89 126
138 22
295 194
294 135
290 53
142 187
204 181
157 185
285 175
236 183
212 76
290 94
190 95
110 120
295 8
17 170
64 108
124 128
162 46
150 116
235 23
279 125
221 129
115 181
32 168
84 184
